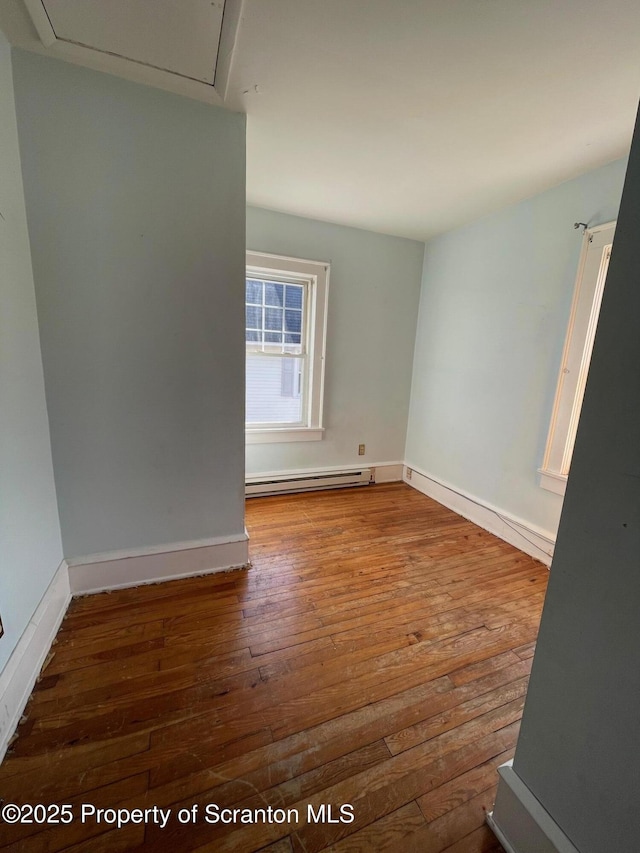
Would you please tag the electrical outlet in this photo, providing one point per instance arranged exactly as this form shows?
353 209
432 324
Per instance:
409 472
361 450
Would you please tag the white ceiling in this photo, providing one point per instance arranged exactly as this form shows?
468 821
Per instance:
407 117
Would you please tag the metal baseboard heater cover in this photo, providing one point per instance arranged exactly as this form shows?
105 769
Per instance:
307 482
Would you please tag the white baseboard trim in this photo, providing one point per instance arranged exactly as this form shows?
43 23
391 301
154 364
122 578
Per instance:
388 472
23 667
120 569
520 822
532 540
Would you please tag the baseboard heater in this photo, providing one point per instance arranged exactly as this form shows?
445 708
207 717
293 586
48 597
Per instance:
307 482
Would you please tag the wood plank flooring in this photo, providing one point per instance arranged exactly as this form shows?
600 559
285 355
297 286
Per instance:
375 657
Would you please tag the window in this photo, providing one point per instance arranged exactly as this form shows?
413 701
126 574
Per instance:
585 309
286 308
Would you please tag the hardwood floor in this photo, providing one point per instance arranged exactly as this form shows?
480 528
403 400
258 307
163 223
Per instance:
375 656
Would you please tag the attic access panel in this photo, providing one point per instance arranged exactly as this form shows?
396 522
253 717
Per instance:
178 36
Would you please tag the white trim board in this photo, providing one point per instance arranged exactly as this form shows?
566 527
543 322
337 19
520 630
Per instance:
278 436
125 554
387 472
120 569
553 482
23 667
520 822
533 541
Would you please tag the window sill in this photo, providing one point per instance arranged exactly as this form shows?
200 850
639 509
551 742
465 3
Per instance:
552 481
270 436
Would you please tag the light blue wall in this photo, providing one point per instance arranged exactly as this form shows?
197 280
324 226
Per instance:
30 546
493 315
373 301
136 209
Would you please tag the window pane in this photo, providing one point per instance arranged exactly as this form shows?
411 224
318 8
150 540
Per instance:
273 293
273 337
253 337
274 390
254 317
254 291
292 339
293 321
273 319
293 298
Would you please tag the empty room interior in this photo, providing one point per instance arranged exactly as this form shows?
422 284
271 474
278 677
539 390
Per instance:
319 417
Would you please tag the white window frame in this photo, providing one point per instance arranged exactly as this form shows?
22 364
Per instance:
576 357
315 276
